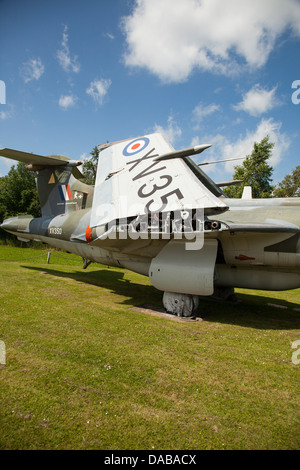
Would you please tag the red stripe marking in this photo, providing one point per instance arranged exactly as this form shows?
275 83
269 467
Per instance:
243 258
69 192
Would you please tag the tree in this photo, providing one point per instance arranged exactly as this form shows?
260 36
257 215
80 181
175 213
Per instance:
254 172
18 193
289 186
89 167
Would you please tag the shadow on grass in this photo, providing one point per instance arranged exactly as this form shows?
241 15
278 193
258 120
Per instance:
113 280
253 311
250 310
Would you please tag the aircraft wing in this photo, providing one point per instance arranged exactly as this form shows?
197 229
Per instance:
133 180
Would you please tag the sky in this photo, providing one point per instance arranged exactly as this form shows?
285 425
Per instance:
78 73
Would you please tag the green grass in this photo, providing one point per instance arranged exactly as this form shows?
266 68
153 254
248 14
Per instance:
85 371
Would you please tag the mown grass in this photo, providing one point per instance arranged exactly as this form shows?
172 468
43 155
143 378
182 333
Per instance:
85 371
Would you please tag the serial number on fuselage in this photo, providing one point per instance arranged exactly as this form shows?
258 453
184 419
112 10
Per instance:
55 231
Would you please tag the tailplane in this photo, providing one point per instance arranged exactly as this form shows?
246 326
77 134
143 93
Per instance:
57 178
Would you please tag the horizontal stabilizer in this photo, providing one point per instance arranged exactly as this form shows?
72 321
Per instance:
37 161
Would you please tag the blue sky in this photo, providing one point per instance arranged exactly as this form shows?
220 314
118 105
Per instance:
79 73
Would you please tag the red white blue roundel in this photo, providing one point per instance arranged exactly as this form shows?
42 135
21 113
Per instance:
136 146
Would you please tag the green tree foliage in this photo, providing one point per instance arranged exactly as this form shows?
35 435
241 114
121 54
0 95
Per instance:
254 172
289 186
89 167
18 193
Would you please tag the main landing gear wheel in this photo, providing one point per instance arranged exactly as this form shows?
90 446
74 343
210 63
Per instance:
182 305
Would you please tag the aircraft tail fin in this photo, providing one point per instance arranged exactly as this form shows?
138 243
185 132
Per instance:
58 186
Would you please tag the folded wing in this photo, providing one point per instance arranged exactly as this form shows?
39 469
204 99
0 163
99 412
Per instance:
132 180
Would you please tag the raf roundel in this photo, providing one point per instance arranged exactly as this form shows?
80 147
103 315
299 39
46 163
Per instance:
136 146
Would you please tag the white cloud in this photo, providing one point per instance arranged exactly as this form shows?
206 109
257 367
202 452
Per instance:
68 63
171 132
67 101
98 90
171 38
223 148
109 36
8 112
6 164
4 115
33 69
201 111
257 101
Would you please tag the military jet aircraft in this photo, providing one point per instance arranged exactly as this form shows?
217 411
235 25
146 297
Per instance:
154 211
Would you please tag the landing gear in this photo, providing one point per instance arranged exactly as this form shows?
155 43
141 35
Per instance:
86 263
224 294
182 305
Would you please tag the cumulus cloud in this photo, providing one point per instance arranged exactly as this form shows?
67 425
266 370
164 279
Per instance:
67 101
171 132
223 148
174 37
98 90
33 69
8 112
257 101
69 63
201 111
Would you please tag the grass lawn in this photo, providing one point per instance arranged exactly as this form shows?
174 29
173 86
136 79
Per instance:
85 370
